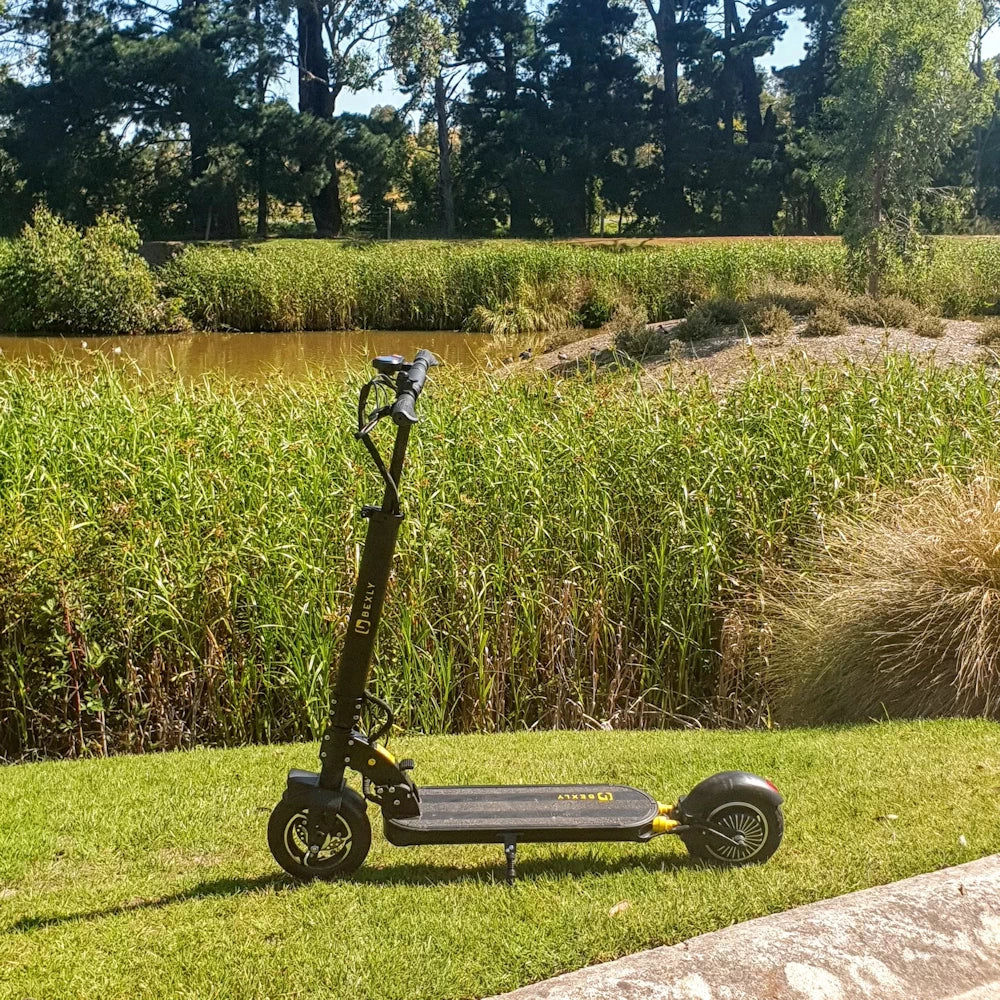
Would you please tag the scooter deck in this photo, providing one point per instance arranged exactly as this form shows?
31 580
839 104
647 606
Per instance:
526 814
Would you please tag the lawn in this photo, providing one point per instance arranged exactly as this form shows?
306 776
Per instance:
149 876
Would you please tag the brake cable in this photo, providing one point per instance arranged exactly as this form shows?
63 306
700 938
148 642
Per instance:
366 424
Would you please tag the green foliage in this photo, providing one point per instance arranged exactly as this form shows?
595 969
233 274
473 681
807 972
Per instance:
825 322
904 96
320 285
594 304
183 554
57 279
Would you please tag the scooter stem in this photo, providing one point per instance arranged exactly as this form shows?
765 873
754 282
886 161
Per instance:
362 626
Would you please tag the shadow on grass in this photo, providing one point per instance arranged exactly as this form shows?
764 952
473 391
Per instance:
391 876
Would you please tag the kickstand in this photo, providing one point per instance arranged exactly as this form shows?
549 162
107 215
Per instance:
510 852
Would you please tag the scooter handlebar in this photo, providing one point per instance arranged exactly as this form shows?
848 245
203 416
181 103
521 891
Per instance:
409 385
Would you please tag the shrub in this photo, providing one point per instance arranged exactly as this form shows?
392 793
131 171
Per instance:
55 278
929 326
803 300
890 311
689 290
769 321
989 333
898 615
700 324
725 311
630 332
825 323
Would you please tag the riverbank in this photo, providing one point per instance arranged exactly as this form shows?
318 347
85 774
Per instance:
490 286
509 287
59 280
728 358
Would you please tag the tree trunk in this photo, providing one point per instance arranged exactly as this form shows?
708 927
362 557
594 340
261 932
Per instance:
875 237
262 197
316 98
751 89
261 151
520 213
445 183
675 208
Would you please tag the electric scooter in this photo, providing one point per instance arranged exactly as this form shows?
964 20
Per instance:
320 828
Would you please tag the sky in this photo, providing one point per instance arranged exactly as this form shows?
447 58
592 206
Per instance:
788 50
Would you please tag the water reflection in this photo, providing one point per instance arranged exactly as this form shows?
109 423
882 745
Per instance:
248 355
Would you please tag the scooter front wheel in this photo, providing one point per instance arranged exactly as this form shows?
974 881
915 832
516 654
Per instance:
344 848
749 828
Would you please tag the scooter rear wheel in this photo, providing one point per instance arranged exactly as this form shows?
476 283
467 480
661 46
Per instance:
757 824
344 848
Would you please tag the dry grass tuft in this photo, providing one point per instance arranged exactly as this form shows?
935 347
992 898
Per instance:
630 332
930 326
803 300
897 615
825 322
989 333
700 324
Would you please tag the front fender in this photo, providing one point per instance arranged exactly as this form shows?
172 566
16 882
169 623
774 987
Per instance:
727 786
305 792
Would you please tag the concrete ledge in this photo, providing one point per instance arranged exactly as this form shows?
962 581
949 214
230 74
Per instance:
932 937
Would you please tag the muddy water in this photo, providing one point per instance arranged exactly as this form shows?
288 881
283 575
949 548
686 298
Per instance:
248 355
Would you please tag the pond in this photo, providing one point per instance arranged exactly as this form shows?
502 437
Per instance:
249 355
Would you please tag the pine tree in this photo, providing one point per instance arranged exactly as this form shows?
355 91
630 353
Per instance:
596 104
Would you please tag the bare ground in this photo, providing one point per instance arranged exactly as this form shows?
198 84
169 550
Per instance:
727 358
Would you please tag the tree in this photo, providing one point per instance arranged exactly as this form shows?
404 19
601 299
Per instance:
375 146
269 48
423 50
60 112
596 102
680 32
335 43
503 116
807 84
904 95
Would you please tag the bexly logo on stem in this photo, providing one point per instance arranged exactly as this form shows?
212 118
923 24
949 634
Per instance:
363 623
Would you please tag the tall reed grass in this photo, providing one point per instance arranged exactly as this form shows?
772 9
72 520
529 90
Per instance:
321 285
314 284
176 559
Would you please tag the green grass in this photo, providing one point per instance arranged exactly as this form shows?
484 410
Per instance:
145 877
491 285
176 559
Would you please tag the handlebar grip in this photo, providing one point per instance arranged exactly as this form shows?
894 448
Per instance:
409 385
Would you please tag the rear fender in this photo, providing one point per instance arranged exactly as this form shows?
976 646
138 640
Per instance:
727 786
